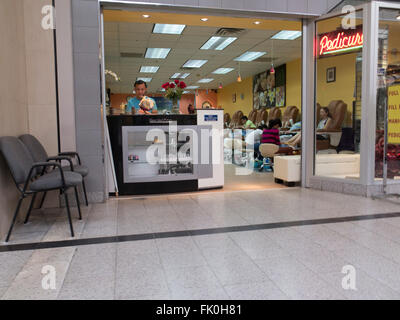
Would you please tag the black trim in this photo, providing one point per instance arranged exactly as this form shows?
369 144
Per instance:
56 82
191 233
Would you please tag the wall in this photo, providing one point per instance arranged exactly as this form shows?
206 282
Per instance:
203 96
225 96
87 93
293 84
343 87
40 76
307 7
13 97
27 92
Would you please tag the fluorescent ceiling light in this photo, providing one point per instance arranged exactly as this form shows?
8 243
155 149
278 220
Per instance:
194 63
204 19
145 79
287 35
157 53
180 75
223 70
205 80
192 87
146 16
250 56
149 69
218 43
169 28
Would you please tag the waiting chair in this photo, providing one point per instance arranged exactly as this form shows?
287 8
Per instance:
268 150
30 177
39 154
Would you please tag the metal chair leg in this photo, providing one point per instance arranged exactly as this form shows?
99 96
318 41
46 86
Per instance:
77 203
84 191
30 208
69 214
14 218
42 201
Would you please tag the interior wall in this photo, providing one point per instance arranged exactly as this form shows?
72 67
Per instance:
343 87
206 96
40 76
225 96
13 97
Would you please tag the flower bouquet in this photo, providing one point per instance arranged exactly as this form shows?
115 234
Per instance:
174 91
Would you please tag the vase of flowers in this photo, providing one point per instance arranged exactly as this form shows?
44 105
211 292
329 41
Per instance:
174 91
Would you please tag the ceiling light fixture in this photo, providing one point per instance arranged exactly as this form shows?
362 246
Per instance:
220 85
146 16
205 80
272 70
204 19
257 22
398 16
144 79
239 78
157 53
218 43
168 28
180 75
194 63
149 69
287 35
223 70
250 56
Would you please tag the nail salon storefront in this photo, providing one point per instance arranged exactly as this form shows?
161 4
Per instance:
350 63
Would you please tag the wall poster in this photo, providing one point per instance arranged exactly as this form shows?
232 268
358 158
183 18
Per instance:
269 90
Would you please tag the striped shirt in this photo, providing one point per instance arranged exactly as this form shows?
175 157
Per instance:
271 136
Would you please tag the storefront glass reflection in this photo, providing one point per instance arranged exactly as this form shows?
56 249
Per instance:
338 74
388 96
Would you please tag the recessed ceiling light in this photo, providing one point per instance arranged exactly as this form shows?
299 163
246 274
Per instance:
194 63
168 28
257 22
205 80
180 75
157 53
146 16
192 87
144 79
223 70
204 19
287 35
250 56
149 69
218 43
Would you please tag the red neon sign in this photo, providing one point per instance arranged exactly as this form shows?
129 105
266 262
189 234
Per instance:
340 41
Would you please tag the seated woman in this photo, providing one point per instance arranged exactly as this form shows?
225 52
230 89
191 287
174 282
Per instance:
271 135
323 124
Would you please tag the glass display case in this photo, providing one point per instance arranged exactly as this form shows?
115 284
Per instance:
156 154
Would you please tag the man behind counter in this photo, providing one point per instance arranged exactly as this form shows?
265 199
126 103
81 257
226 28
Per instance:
141 104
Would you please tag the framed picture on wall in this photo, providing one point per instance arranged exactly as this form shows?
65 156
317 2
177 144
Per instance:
331 74
234 98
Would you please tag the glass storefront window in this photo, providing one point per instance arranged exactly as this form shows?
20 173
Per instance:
338 76
388 95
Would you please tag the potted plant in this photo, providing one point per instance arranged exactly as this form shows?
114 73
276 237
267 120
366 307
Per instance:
174 91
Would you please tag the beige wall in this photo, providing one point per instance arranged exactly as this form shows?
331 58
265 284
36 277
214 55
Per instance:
27 94
13 99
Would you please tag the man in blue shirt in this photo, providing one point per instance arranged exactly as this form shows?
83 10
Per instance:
134 103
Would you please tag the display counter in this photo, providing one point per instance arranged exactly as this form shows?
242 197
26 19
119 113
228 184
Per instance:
165 153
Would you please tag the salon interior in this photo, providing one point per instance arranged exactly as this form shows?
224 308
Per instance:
248 72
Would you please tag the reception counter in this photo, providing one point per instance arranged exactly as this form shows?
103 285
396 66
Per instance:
167 153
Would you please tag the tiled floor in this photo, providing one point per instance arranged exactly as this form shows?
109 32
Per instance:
296 262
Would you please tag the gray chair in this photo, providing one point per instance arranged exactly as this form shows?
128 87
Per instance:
30 177
39 154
